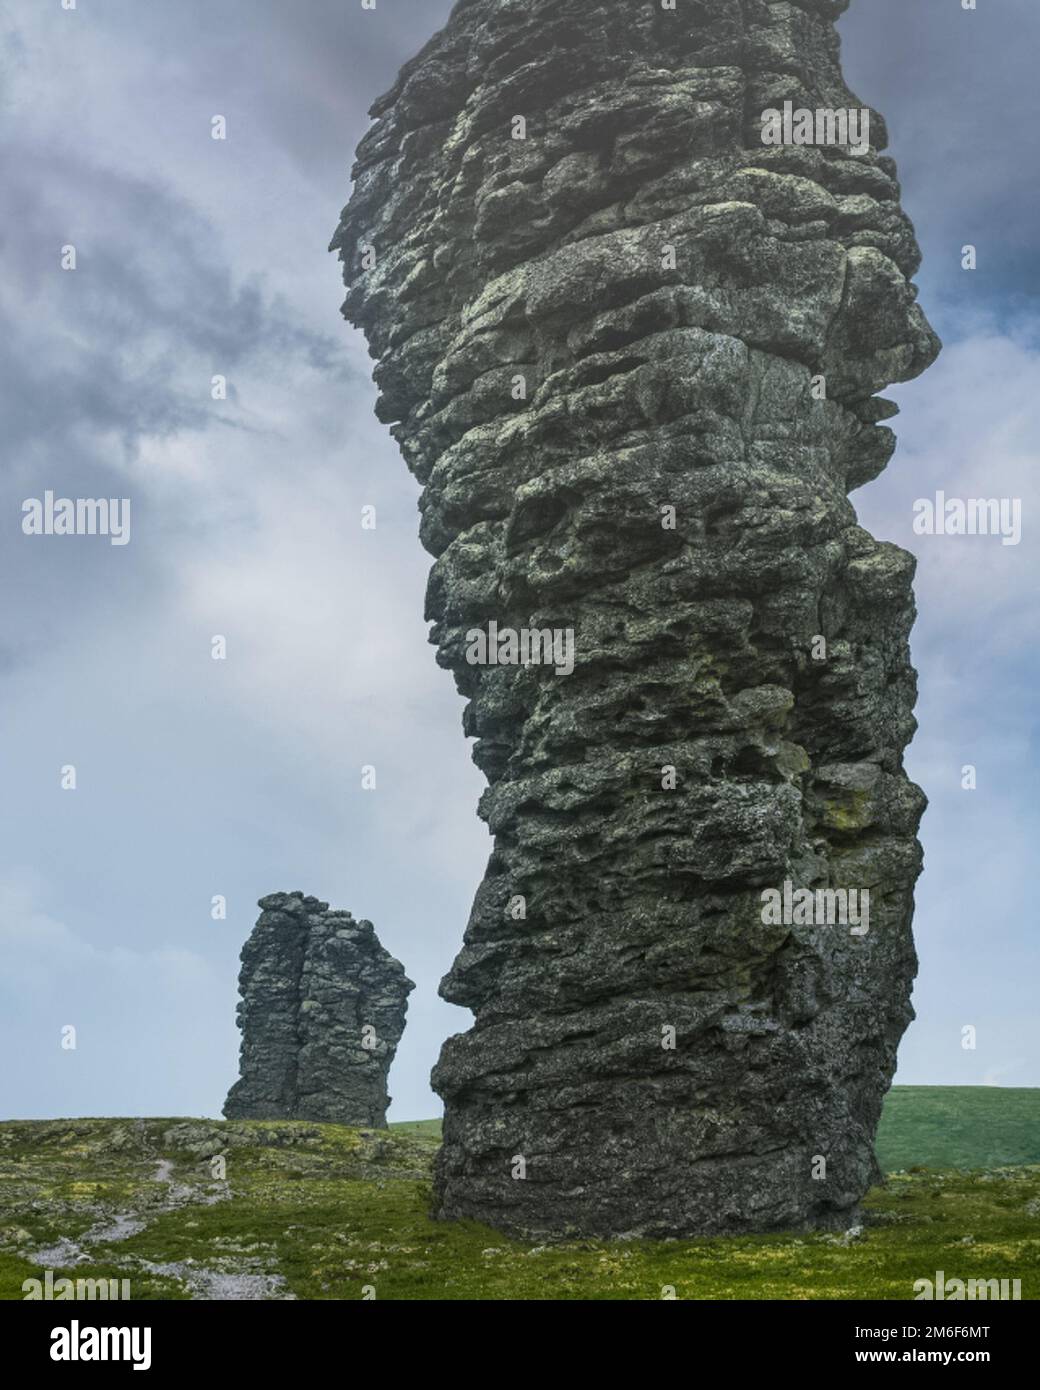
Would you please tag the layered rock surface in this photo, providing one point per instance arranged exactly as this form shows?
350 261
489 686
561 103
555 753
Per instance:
629 310
322 1011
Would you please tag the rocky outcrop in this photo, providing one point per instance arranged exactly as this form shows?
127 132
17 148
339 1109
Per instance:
631 353
321 1014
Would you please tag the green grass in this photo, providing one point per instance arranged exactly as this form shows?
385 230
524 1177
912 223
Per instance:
420 1129
959 1127
337 1212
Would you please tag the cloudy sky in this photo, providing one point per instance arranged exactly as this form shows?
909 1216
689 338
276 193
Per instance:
195 777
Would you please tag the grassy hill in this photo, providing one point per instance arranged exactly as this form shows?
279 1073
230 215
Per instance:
959 1127
212 1209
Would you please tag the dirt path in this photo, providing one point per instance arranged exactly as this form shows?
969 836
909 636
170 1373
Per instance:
202 1283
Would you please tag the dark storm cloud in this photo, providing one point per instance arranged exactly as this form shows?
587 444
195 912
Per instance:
954 87
128 341
302 73
120 351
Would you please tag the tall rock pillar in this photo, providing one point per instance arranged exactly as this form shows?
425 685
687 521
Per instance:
321 1013
630 333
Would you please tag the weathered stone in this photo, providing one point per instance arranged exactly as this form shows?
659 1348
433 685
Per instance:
321 1014
637 306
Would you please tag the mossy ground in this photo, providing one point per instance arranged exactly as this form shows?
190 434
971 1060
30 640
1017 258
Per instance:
333 1212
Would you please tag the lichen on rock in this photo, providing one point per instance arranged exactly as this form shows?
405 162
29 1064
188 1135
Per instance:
322 1011
632 354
